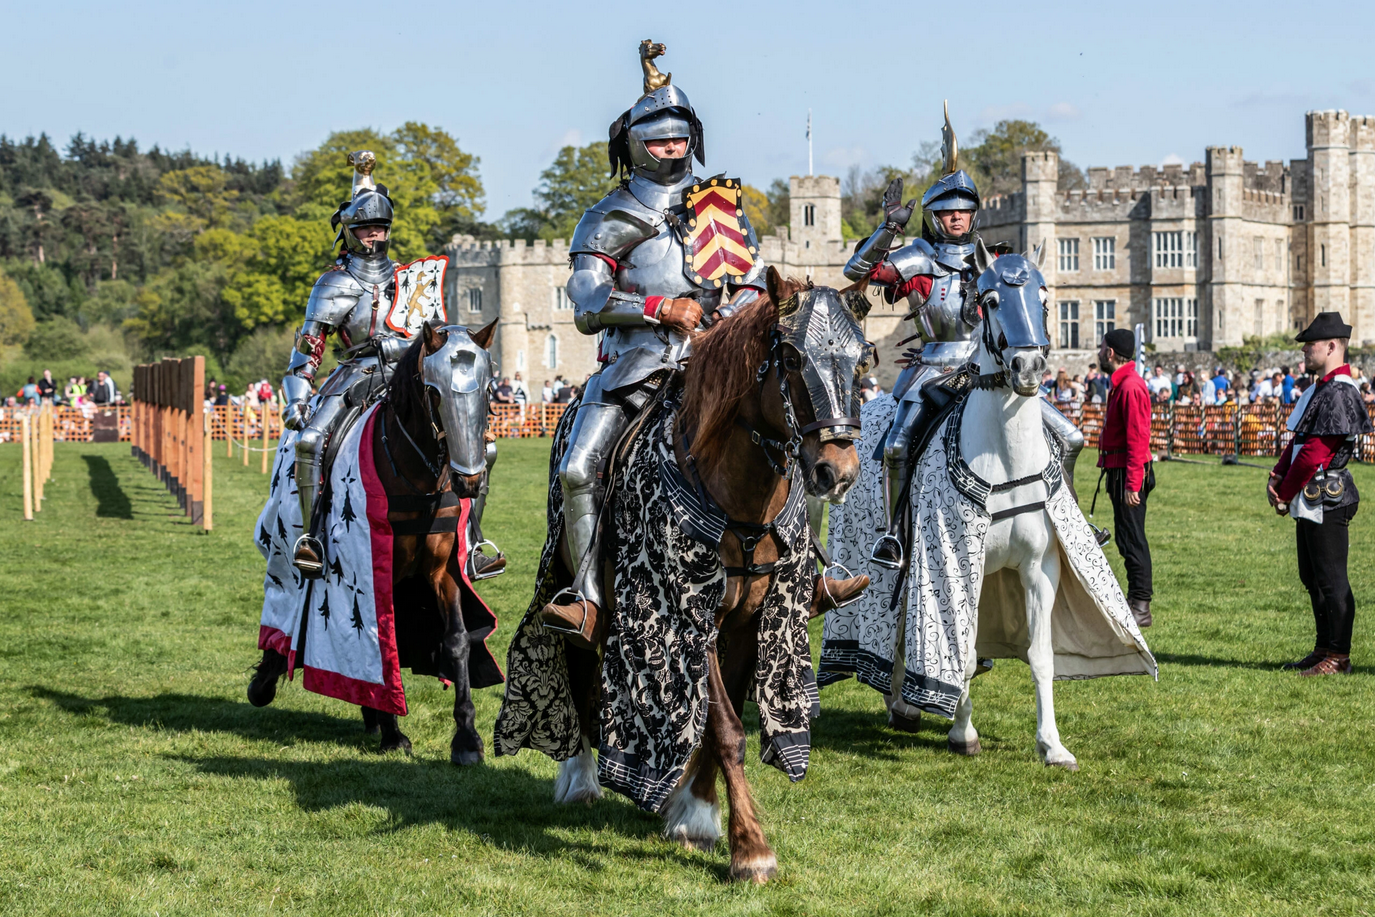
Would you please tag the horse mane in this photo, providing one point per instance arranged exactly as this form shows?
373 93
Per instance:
721 373
406 390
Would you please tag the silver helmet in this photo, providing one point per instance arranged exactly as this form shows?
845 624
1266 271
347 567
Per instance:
369 206
664 111
954 190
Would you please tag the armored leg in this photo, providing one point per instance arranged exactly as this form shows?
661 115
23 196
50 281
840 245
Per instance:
310 456
596 428
889 550
480 565
1071 440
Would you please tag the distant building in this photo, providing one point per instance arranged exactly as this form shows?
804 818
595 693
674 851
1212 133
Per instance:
1203 255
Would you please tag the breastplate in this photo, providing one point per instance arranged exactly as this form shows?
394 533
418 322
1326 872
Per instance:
364 320
652 268
941 315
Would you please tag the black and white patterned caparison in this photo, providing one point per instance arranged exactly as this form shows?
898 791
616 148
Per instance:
669 584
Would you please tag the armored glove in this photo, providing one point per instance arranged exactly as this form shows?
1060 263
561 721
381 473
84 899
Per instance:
680 314
894 210
295 414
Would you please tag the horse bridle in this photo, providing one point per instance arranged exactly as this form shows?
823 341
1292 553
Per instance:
790 448
999 379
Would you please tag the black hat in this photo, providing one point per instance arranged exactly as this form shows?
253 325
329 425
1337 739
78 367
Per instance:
1122 341
1326 326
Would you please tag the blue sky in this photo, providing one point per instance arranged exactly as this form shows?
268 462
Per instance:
515 81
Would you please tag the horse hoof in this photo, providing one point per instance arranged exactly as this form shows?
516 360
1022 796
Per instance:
1071 765
465 758
371 729
964 748
260 695
400 742
758 870
903 723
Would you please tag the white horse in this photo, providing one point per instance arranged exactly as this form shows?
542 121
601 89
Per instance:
1003 436
1003 563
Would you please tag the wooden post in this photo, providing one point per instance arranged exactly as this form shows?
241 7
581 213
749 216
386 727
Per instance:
207 481
262 415
195 442
24 434
227 415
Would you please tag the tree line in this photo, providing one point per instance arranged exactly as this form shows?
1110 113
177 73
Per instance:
111 254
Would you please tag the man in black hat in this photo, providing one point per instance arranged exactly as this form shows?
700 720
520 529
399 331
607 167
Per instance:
1311 483
1124 454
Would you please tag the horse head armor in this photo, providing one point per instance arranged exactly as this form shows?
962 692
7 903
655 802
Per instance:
823 327
460 370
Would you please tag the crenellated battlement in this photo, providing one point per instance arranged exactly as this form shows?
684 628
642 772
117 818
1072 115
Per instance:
1129 178
467 251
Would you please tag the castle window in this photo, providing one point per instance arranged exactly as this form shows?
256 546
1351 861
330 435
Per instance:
1191 249
551 352
1191 318
1298 212
1169 249
561 301
1104 253
1104 317
1169 317
1323 251
1219 246
1069 325
1298 262
809 214
1259 327
1069 254
1279 254
474 299
1260 253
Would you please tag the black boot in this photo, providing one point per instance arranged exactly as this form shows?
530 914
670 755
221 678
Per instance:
1318 654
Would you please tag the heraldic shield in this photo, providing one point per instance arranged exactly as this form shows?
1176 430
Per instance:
720 244
419 295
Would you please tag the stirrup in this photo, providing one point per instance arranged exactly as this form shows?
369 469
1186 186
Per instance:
1100 535
566 594
473 553
309 569
837 565
888 562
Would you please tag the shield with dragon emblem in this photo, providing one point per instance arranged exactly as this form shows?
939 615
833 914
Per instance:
419 295
720 245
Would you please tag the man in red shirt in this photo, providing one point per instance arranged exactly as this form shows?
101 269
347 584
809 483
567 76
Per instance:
1124 453
1311 483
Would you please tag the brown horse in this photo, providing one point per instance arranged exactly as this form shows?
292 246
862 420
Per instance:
428 446
749 410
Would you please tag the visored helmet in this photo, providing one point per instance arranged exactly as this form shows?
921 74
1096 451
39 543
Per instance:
370 206
663 112
954 190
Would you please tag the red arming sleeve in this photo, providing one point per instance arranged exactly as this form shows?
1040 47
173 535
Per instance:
1316 453
1136 411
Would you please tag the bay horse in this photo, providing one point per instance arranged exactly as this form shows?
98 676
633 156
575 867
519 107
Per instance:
750 402
429 449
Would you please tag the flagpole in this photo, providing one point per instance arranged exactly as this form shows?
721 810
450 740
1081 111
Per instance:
809 142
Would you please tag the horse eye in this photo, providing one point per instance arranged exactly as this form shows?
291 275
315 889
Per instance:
990 299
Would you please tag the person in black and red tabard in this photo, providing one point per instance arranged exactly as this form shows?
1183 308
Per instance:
1311 483
1124 454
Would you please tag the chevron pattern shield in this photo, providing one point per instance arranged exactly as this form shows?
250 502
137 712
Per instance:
720 243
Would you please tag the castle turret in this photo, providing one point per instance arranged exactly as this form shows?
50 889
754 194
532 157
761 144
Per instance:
814 209
1228 314
1040 180
1329 155
1362 216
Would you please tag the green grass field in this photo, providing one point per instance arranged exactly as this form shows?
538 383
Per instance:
136 779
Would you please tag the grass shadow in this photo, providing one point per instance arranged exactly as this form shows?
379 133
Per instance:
869 734
186 712
1194 659
507 807
111 501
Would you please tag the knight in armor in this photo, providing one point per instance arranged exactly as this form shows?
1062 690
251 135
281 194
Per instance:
352 300
631 285
935 274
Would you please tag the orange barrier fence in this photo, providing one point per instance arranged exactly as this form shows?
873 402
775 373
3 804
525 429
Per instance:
168 429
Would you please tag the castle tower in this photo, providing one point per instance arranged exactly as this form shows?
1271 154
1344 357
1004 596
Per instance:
1040 182
1362 238
1230 316
814 210
1329 246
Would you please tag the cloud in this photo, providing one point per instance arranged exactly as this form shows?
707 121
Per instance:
570 137
1174 159
1063 111
842 157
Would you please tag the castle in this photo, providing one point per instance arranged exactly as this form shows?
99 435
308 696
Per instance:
1203 256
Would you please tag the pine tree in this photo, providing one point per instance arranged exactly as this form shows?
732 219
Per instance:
357 616
347 513
324 609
